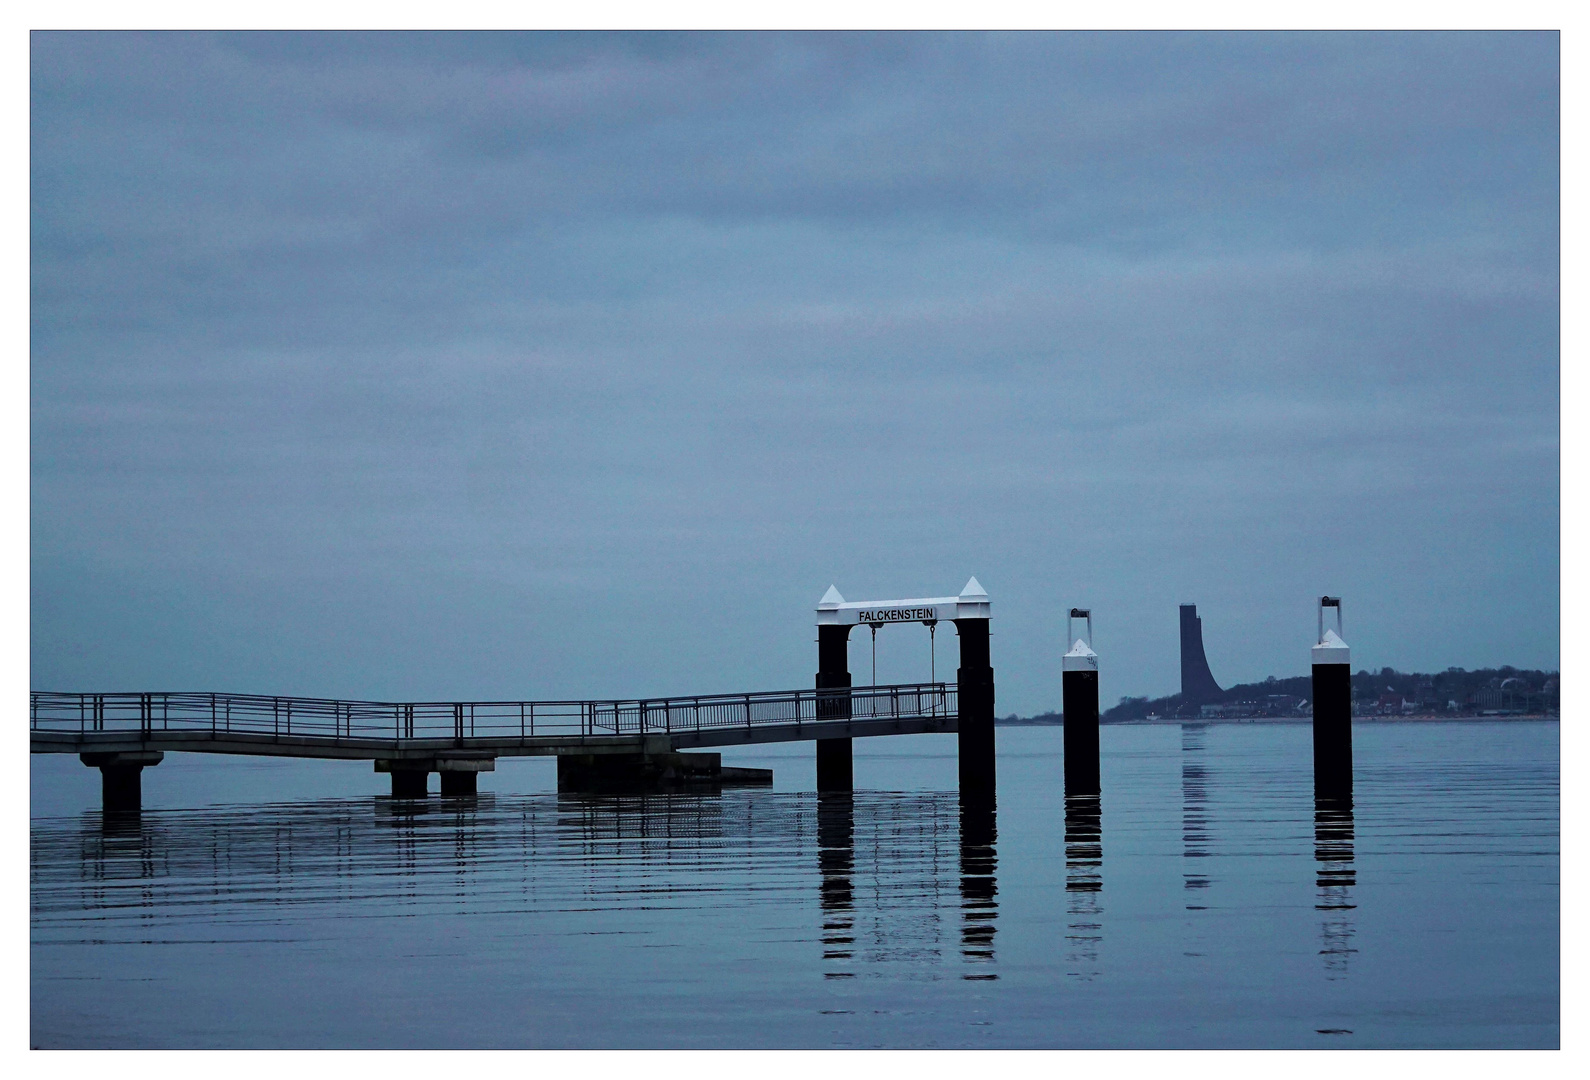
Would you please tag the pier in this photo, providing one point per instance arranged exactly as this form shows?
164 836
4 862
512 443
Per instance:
618 744
123 733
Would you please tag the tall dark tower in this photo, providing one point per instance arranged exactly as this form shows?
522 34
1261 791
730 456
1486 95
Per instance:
1198 686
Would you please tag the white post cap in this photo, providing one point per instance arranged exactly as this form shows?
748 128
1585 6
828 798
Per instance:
1080 658
831 600
973 601
1331 650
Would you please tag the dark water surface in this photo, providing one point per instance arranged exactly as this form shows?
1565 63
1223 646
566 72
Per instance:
1204 901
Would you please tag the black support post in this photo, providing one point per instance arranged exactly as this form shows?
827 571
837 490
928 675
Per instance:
1079 688
1080 696
121 778
1333 711
1333 730
975 688
455 784
834 769
121 790
410 783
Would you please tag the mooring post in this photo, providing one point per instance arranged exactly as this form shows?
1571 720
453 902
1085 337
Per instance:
121 782
1333 708
1079 687
834 766
975 691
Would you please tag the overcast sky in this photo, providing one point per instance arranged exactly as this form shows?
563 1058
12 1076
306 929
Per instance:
402 366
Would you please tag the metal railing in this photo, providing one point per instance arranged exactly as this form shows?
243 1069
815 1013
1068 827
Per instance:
255 714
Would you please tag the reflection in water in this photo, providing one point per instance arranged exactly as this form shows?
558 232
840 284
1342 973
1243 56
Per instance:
979 908
1333 850
904 867
1194 807
886 865
836 860
1084 884
703 920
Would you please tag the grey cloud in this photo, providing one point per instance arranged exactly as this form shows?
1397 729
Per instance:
401 364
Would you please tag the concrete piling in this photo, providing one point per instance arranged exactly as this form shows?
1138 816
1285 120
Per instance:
1333 708
834 768
458 784
1079 681
409 783
975 690
458 771
121 777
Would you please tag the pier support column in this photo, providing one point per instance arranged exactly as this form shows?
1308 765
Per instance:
410 777
458 783
121 790
975 689
834 767
1333 709
1079 682
459 774
410 783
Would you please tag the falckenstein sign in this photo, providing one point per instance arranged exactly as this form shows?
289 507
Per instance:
905 614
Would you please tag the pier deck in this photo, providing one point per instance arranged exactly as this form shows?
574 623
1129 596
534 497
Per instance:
206 723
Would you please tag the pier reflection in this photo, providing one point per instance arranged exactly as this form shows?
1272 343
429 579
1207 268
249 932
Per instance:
836 862
1084 885
979 883
887 866
1335 877
905 881
1194 811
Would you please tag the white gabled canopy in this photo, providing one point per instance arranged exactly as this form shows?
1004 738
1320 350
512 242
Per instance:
972 603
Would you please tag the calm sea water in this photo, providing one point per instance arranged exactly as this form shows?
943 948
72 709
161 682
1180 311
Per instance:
1204 901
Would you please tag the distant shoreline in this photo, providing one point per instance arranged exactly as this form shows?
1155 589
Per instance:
1171 720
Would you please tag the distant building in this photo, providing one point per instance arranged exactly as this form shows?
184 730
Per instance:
1198 686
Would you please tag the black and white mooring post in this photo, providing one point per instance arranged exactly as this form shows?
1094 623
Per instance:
1079 685
1333 708
974 681
834 771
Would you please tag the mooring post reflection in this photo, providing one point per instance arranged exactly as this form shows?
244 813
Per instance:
979 887
1194 808
836 860
1084 885
1335 878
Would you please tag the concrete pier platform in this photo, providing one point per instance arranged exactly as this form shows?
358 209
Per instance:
663 771
121 775
458 772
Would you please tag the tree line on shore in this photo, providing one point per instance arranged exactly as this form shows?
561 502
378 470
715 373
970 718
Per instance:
1454 692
